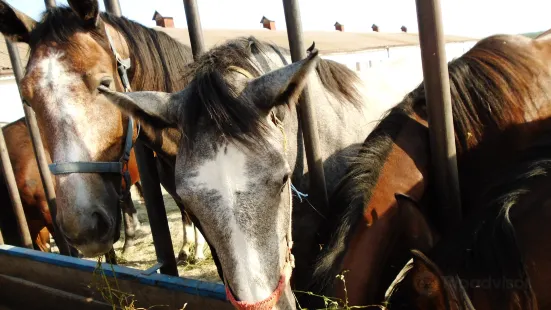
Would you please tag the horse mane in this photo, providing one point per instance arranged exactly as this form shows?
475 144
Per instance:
151 51
493 85
214 99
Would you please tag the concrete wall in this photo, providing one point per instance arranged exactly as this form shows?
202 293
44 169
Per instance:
365 60
10 102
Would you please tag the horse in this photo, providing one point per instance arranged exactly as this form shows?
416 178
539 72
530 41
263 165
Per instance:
498 258
241 155
500 82
72 51
33 197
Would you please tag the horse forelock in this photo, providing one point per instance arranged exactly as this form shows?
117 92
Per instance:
214 98
157 59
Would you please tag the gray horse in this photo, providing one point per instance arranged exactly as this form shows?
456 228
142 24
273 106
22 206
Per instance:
241 156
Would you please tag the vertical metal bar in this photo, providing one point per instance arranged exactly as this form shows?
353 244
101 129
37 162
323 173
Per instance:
39 153
307 111
152 194
440 117
156 212
194 28
14 194
50 4
1 237
113 7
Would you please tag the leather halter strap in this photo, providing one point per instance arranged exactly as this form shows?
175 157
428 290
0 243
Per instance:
117 167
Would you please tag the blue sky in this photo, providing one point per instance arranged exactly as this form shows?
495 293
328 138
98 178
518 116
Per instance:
475 18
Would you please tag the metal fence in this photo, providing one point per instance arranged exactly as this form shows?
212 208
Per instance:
436 82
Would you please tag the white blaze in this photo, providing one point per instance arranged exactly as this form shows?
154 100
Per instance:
226 174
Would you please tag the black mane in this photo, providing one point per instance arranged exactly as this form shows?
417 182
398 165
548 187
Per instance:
492 86
154 52
214 99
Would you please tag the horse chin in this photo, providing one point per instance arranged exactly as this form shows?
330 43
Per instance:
95 249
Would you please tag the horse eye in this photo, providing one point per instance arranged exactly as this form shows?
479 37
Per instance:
106 82
285 179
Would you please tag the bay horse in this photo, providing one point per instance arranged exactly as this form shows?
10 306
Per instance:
33 197
71 53
500 82
498 258
241 154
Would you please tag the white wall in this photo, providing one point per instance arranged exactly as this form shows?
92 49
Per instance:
10 102
365 60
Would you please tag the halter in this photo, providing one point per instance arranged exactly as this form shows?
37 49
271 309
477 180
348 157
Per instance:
285 275
116 167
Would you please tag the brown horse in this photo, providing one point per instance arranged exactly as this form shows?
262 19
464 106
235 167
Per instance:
498 258
72 51
33 197
501 82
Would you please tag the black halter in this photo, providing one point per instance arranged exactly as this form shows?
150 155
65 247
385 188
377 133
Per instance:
117 167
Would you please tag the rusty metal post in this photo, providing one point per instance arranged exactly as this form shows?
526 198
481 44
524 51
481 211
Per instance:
50 4
156 211
307 111
39 153
152 193
440 117
194 28
113 7
14 194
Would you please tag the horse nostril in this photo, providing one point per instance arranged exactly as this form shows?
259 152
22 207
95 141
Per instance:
102 224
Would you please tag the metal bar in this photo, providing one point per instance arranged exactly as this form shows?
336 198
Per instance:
39 153
152 194
307 111
113 7
14 194
194 28
50 4
1 237
440 117
156 212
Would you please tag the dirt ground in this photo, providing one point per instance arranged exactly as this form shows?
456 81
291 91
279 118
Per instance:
142 255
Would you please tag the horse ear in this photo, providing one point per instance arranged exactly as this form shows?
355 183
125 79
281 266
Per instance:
282 85
427 279
87 10
15 25
418 233
154 109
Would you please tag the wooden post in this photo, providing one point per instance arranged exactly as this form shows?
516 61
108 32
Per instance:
318 189
440 117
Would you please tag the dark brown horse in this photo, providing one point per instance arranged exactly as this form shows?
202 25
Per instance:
71 53
499 258
501 82
33 197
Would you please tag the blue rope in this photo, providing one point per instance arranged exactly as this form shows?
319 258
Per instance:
299 194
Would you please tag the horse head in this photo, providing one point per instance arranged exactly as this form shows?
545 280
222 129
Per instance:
73 50
233 170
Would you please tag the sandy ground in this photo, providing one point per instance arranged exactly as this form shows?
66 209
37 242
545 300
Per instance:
142 255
